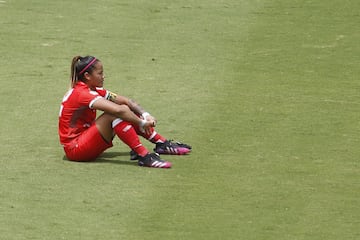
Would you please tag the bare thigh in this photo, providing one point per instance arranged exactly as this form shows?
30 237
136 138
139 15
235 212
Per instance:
104 125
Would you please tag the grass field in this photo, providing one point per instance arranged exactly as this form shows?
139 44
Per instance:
266 92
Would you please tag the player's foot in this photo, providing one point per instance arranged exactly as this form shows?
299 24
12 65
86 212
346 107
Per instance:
153 160
172 148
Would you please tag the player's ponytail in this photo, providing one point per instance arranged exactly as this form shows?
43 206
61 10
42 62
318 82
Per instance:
74 76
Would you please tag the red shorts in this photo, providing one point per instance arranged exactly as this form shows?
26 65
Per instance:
88 146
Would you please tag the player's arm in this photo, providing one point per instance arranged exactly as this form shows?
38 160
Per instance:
134 106
122 111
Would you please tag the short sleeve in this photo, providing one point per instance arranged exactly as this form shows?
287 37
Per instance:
87 98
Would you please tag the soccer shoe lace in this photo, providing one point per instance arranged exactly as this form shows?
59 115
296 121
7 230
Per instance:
172 147
153 160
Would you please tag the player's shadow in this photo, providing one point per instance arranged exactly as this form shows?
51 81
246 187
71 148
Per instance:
122 158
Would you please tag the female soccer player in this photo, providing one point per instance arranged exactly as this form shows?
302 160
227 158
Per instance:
84 137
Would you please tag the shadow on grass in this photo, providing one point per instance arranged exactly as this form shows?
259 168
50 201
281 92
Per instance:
110 157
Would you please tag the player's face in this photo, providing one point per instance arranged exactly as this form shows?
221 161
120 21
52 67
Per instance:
97 77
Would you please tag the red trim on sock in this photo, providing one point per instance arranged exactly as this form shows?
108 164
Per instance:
155 139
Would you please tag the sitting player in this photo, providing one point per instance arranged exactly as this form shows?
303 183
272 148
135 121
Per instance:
84 137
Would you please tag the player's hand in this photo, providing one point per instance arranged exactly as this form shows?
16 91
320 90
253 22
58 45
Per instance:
151 119
148 126
146 116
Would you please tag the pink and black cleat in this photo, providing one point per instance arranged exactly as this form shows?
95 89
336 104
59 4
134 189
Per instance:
172 148
153 160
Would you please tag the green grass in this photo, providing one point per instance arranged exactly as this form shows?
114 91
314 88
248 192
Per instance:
267 92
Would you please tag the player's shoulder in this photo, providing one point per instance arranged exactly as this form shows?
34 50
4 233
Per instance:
82 91
101 91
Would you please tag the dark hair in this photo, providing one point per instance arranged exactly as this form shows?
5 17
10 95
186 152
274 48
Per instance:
79 66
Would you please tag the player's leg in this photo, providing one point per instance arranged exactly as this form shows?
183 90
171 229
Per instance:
109 125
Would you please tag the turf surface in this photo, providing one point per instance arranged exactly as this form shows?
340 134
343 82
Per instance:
265 91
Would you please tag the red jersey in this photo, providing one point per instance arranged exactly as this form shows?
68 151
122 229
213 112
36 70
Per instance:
76 112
